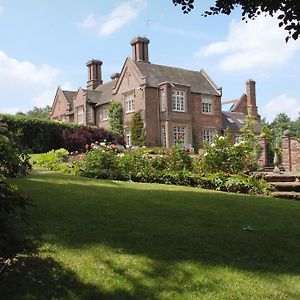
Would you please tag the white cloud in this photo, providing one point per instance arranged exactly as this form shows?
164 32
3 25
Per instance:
1 9
88 22
122 15
257 44
281 104
14 73
44 98
24 84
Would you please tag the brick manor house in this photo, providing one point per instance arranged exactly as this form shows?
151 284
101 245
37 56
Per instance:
176 105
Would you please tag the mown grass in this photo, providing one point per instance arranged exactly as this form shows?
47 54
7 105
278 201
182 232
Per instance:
96 239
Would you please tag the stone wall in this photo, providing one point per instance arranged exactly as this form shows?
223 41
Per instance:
290 153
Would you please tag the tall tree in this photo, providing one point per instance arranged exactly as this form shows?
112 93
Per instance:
39 112
286 11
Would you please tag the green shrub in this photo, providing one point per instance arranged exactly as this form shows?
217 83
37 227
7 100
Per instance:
99 163
177 159
13 162
53 159
12 208
135 166
223 156
36 135
137 130
115 115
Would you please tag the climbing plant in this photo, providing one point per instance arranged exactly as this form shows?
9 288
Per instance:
137 130
115 117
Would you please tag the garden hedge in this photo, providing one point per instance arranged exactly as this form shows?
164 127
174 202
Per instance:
39 136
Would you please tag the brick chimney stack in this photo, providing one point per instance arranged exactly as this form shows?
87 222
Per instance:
251 99
94 74
140 49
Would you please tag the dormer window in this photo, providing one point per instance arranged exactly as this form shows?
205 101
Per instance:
230 120
207 106
179 100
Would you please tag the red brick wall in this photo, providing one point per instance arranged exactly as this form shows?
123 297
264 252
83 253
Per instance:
202 121
242 106
80 100
152 123
60 106
290 153
263 159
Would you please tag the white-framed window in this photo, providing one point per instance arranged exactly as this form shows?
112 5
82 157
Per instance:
104 113
179 134
208 136
129 102
163 136
162 99
128 137
207 106
90 114
179 100
80 110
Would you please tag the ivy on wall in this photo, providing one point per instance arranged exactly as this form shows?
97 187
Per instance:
115 113
137 130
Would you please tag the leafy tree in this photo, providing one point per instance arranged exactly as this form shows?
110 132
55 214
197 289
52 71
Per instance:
39 112
12 203
287 11
115 117
137 130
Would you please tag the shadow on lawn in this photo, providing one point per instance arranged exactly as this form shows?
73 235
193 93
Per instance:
173 226
168 227
32 277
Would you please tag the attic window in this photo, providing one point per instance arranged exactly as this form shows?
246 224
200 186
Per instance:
230 120
241 121
207 106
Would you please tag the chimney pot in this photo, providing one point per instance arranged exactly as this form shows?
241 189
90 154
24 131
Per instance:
94 74
251 99
140 49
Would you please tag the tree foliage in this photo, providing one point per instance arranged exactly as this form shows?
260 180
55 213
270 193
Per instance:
137 130
286 11
115 117
276 128
37 112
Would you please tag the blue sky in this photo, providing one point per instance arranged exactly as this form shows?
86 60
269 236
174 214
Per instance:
47 43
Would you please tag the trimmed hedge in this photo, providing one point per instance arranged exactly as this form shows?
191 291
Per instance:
39 136
36 135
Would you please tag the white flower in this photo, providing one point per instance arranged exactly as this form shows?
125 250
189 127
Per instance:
205 154
221 138
102 144
212 144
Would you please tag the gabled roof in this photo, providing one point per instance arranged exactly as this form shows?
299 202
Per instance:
238 102
236 120
102 94
69 95
93 96
198 81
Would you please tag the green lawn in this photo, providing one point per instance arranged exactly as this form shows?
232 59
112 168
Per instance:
96 239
